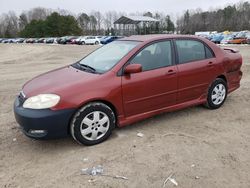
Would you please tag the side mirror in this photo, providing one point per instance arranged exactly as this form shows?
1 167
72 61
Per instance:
133 68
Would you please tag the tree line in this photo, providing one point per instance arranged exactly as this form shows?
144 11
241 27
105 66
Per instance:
233 18
42 22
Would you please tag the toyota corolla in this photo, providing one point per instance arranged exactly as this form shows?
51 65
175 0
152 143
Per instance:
126 81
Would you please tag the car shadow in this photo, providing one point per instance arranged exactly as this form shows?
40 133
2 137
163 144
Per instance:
157 120
165 116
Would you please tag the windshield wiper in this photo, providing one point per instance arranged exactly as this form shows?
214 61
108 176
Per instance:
87 67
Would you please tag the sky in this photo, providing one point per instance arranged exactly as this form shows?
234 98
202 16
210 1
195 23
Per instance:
172 7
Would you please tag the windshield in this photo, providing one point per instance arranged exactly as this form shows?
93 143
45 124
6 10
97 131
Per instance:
104 58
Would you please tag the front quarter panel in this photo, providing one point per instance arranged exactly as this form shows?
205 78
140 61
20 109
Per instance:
105 88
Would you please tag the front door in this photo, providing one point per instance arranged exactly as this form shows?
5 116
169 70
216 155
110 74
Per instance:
156 86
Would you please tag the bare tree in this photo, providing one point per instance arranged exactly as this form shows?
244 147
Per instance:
233 17
83 20
23 21
9 24
99 19
38 13
92 24
108 20
2 26
63 12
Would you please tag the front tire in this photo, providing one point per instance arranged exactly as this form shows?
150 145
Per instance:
93 123
217 94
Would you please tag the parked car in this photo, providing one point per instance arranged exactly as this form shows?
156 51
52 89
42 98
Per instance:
58 40
66 39
217 38
8 40
73 41
62 40
81 40
240 38
4 40
50 40
19 40
93 40
227 39
30 40
126 81
108 39
41 40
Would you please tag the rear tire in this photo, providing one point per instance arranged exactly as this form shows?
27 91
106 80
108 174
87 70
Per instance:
217 94
83 43
93 123
96 42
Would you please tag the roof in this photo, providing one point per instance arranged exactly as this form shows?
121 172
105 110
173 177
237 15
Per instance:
134 19
144 38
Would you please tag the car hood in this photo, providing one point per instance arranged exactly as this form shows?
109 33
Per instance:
58 81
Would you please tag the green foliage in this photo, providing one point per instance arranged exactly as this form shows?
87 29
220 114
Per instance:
34 29
54 25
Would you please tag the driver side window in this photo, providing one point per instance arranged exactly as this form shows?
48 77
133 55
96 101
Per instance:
154 56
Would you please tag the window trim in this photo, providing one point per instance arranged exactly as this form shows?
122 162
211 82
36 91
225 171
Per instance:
173 56
192 39
211 51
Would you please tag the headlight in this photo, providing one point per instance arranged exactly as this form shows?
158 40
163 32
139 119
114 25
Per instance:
42 101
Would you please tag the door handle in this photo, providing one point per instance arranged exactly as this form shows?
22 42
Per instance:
210 64
171 72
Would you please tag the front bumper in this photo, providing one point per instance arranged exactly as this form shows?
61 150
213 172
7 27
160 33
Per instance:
43 124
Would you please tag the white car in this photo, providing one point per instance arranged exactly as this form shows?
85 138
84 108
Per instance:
93 40
81 40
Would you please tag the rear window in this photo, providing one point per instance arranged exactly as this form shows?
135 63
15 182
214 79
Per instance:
192 50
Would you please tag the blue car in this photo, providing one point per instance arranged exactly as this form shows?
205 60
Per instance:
217 38
108 39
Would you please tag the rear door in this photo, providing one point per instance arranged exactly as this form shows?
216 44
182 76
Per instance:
156 86
196 69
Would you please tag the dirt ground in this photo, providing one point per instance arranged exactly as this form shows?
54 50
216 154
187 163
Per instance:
203 148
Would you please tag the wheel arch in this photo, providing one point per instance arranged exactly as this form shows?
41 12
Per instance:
223 77
109 104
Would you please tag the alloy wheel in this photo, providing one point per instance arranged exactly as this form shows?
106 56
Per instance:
95 125
218 94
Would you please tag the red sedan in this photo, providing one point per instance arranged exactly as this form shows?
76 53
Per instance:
126 81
